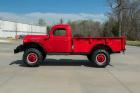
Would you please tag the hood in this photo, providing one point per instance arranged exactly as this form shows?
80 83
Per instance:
34 38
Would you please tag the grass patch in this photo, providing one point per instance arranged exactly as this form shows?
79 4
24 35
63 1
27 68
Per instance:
133 43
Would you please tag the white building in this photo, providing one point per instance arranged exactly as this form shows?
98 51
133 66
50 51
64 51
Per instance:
12 29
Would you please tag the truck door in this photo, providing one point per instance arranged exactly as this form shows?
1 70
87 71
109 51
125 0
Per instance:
60 41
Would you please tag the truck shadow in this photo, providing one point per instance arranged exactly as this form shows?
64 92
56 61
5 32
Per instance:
61 62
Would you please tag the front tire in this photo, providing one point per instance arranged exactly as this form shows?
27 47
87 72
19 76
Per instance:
100 58
32 57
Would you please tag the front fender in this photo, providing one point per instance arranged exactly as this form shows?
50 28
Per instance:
18 49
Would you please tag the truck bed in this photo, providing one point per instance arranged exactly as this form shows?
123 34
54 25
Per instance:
85 44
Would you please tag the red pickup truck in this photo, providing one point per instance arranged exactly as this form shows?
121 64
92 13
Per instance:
60 41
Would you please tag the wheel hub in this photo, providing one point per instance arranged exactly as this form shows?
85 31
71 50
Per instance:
32 58
101 58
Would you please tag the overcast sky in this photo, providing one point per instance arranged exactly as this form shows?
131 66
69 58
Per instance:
53 10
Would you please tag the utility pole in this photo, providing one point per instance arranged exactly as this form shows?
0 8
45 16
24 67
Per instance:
31 29
120 23
122 10
16 29
61 21
120 16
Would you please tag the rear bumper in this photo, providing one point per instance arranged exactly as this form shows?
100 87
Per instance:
18 49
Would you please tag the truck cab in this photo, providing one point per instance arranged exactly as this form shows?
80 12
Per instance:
60 39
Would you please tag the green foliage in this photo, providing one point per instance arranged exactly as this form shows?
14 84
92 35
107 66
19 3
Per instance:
110 28
133 43
115 29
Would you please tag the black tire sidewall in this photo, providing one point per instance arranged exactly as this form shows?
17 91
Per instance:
37 52
107 55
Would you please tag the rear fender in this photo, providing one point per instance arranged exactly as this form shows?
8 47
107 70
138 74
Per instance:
101 46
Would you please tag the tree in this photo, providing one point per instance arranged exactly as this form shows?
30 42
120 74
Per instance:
110 28
117 12
86 28
41 22
126 13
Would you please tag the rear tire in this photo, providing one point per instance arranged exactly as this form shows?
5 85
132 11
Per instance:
100 58
32 57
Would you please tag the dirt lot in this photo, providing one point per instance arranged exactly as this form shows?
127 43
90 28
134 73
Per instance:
69 74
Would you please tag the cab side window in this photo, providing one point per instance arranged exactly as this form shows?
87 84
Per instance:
60 32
